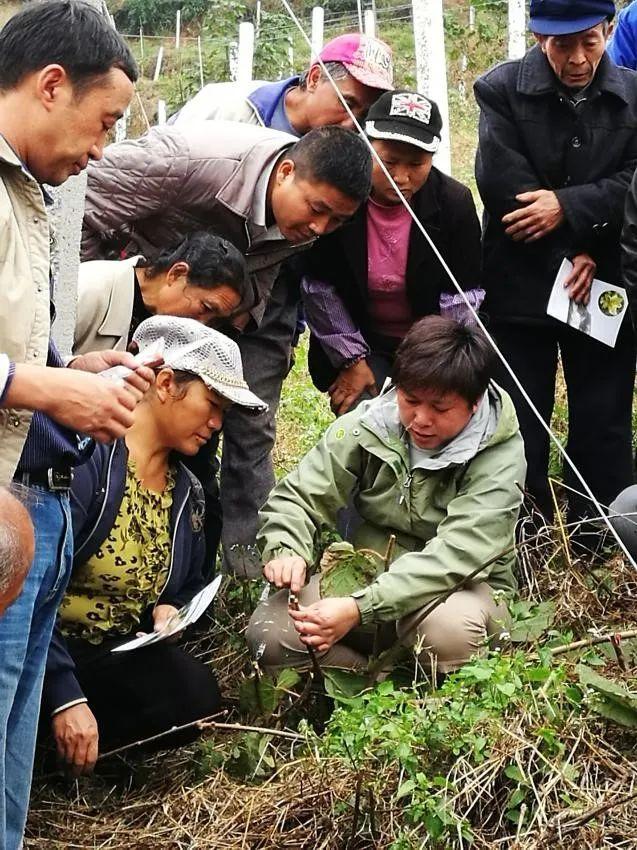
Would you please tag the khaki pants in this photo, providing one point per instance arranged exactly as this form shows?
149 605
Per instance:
447 638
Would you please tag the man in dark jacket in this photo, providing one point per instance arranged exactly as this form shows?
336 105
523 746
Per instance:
368 282
557 150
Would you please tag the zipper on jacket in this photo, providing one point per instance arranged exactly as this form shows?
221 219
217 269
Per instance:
406 486
103 508
172 548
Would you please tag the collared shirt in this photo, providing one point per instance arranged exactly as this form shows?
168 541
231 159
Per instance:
280 120
259 212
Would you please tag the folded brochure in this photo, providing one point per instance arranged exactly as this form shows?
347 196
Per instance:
183 618
601 318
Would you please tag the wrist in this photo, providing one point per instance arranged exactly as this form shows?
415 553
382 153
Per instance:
354 611
30 388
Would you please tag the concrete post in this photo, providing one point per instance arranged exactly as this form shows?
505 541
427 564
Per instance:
431 67
318 17
233 60
246 52
370 23
517 29
199 54
160 59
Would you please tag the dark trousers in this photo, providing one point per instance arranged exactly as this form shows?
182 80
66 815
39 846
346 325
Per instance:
135 695
599 384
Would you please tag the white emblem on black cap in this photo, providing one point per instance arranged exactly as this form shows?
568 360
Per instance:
412 105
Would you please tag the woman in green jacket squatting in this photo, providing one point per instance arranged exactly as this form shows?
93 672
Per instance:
436 460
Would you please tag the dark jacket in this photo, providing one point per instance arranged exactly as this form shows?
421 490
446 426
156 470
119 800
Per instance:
98 489
446 209
532 137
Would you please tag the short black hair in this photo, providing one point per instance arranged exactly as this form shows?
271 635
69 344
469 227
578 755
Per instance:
69 33
441 354
213 262
335 156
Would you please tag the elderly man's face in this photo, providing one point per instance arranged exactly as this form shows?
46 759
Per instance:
575 58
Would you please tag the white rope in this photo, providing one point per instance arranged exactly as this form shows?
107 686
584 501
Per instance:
461 292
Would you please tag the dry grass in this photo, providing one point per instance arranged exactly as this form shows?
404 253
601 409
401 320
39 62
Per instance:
181 800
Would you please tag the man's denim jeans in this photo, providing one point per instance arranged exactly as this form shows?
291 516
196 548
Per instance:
25 633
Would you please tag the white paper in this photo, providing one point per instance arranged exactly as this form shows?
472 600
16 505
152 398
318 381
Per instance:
118 374
601 318
185 617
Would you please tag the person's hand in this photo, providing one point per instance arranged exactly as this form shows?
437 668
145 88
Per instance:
139 379
349 385
288 571
89 403
76 738
541 214
580 280
161 615
324 623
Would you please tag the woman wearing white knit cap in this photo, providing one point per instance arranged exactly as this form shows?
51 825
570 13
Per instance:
139 553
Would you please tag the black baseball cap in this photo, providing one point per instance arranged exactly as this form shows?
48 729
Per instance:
565 17
405 116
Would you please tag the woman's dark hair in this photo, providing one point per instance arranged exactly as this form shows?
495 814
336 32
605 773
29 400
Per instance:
213 262
62 32
441 354
335 156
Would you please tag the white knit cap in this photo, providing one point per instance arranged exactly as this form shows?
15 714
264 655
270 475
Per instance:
192 347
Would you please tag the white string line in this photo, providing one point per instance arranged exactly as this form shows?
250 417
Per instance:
317 60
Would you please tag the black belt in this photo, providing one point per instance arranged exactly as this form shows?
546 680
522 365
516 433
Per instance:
51 479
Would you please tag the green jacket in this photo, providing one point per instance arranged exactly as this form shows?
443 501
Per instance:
450 511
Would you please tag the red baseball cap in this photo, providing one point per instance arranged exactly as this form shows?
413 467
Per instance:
368 60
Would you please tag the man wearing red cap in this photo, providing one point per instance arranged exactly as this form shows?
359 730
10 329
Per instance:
361 67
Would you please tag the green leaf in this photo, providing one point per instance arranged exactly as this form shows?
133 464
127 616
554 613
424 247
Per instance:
512 771
434 825
475 671
531 621
287 679
610 699
516 798
257 695
506 688
406 788
344 570
343 684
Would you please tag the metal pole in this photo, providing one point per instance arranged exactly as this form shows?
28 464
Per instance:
246 52
431 67
141 43
160 57
370 23
318 18
517 29
178 29
201 83
359 7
